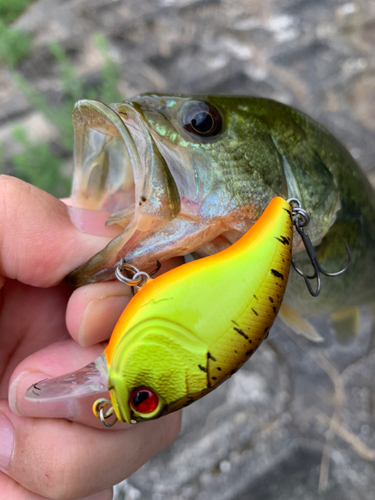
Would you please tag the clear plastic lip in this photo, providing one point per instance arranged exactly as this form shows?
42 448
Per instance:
92 379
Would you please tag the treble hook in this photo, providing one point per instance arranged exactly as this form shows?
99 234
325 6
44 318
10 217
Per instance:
300 220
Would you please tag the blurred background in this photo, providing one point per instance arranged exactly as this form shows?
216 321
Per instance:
297 422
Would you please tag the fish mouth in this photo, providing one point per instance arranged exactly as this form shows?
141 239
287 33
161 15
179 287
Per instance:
120 172
118 164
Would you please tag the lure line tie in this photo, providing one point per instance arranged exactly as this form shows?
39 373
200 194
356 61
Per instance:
99 411
300 219
132 276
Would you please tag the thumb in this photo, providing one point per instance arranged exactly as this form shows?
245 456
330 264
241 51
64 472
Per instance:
40 242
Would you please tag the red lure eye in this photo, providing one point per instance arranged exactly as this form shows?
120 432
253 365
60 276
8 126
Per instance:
144 400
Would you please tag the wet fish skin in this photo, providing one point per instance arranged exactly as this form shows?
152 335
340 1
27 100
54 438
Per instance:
199 193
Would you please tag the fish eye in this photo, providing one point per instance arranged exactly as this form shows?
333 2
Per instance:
144 400
202 119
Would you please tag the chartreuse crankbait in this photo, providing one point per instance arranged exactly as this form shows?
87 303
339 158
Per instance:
188 330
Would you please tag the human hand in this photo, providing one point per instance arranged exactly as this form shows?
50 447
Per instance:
46 330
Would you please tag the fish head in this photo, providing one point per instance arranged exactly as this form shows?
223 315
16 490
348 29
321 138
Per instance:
183 174
164 155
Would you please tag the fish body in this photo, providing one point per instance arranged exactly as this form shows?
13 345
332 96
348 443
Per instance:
191 174
178 339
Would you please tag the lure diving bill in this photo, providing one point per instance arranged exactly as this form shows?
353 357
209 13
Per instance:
188 330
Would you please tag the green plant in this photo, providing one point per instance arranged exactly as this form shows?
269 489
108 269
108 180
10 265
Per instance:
39 163
11 9
110 73
14 45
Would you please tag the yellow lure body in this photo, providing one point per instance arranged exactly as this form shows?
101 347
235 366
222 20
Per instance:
187 331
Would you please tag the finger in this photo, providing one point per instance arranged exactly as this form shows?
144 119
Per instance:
93 310
61 459
90 221
11 490
42 239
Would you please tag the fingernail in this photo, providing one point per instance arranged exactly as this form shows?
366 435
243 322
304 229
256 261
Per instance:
17 390
6 442
100 318
92 222
12 394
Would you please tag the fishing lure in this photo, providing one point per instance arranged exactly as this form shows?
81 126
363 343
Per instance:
188 330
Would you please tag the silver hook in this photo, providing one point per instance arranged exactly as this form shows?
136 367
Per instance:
300 219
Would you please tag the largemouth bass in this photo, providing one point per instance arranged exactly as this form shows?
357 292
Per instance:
191 174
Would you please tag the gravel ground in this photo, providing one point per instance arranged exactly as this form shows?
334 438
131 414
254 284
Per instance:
297 422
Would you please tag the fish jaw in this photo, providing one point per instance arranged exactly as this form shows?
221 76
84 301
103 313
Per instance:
144 249
163 241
